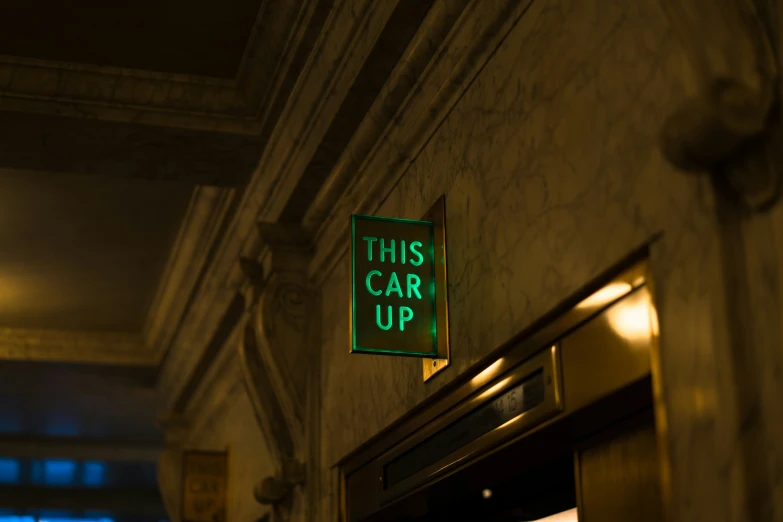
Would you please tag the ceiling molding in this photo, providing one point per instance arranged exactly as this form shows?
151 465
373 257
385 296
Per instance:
21 344
176 100
79 448
470 43
128 114
336 57
382 115
199 231
123 95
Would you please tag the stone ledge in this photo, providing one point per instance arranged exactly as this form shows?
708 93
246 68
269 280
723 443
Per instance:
20 344
198 232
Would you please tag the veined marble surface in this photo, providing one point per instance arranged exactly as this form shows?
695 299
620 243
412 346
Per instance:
551 171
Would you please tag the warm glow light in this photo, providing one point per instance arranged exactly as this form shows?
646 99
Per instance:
511 421
486 494
606 295
487 374
632 320
565 516
495 388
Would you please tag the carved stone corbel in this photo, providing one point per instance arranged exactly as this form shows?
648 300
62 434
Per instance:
729 127
277 356
276 491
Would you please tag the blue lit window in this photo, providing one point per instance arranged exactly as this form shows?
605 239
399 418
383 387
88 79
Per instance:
59 472
51 513
9 471
93 473
13 518
72 519
43 519
36 472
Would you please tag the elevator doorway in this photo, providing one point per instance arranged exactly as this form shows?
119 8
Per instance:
559 427
610 477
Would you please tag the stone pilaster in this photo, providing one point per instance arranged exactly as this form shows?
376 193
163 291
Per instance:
729 130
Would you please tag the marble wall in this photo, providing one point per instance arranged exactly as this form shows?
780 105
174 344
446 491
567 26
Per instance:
233 426
551 172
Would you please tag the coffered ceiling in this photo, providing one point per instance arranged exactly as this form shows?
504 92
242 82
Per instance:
203 65
126 131
189 37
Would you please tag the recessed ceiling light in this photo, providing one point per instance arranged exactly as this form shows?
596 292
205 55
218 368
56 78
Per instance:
487 493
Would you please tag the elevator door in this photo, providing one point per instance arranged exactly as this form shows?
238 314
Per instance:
584 448
610 477
618 476
541 491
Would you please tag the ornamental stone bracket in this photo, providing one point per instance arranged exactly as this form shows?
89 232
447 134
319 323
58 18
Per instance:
730 127
279 356
278 491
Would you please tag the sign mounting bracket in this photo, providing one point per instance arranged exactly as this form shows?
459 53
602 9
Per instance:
399 288
437 215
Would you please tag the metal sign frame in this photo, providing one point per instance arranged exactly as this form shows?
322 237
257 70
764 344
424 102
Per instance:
437 358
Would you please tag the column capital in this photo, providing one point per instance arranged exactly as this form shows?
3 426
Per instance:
729 126
283 249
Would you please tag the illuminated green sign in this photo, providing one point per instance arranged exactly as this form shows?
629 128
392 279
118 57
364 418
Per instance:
393 288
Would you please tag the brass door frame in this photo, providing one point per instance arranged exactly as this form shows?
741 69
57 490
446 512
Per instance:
547 361
366 463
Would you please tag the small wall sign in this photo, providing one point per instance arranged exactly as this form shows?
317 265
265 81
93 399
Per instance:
204 486
398 304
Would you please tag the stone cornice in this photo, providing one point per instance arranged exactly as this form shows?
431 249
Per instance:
199 231
419 53
339 52
36 447
219 386
77 347
177 100
472 40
